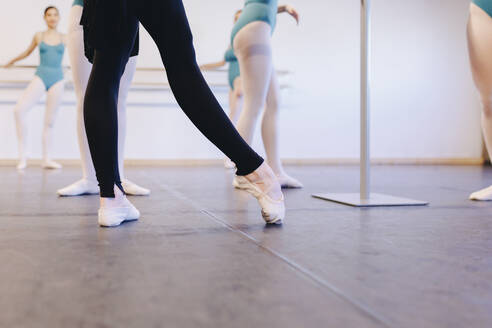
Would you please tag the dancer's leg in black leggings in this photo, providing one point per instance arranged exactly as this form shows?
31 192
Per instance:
100 110
166 22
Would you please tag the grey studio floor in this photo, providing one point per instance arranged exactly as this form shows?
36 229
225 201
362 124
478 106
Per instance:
201 256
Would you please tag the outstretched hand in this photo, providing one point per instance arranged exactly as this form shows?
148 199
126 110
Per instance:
293 12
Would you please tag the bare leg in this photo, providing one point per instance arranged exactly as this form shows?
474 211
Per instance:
125 84
53 100
253 50
28 99
270 134
252 47
235 100
173 38
480 48
81 69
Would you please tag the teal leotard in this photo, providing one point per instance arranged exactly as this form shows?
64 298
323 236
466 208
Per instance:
50 68
78 3
486 5
256 10
234 72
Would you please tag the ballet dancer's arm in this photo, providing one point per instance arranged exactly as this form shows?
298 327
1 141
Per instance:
211 66
290 10
25 53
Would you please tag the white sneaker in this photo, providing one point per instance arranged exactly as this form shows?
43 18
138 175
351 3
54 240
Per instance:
51 165
79 188
134 189
114 216
273 211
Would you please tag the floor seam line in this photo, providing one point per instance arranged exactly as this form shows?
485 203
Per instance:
362 308
320 281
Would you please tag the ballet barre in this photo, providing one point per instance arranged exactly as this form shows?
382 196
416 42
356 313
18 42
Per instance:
144 69
365 198
136 86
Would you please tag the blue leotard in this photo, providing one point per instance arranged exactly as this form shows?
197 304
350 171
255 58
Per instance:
234 72
486 5
256 10
50 66
78 3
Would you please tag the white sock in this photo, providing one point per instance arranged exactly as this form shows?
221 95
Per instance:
134 189
119 200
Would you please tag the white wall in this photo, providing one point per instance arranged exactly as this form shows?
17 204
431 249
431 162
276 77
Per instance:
424 102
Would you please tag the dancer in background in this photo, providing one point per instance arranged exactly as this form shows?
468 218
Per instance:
81 69
480 48
235 92
48 80
251 41
111 27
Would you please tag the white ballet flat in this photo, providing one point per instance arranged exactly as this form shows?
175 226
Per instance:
134 189
273 211
79 188
288 182
51 165
22 165
484 194
114 216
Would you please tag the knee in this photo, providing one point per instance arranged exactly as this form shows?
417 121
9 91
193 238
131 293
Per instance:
254 106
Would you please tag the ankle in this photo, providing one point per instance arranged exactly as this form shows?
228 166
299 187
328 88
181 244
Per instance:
119 198
264 172
90 182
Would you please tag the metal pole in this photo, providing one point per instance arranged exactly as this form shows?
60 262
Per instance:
365 55
364 198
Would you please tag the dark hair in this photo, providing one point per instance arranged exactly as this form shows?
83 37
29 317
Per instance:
50 7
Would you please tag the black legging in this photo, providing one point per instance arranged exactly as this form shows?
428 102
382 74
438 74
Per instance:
167 24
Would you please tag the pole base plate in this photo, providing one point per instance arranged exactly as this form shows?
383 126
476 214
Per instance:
374 200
